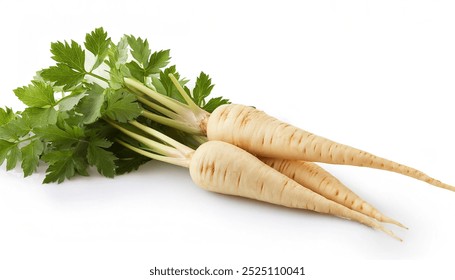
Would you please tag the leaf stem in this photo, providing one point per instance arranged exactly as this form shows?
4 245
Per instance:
177 107
194 107
183 126
175 161
154 145
158 108
180 147
98 77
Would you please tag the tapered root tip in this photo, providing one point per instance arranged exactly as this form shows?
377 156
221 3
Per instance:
390 233
400 225
445 186
393 222
440 184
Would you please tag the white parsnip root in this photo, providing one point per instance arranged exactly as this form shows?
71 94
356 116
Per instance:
263 135
317 179
224 168
266 136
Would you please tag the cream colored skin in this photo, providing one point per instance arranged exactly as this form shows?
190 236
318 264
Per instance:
263 135
266 136
224 168
317 179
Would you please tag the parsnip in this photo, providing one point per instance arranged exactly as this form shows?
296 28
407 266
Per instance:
317 179
264 135
224 168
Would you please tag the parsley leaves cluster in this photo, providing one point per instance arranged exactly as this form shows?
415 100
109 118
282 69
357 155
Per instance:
67 104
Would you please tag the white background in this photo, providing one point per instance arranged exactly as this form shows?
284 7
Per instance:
378 75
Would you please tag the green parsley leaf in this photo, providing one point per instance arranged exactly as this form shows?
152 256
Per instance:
101 158
69 102
15 129
63 164
69 133
202 89
53 133
91 105
30 156
140 50
37 94
165 86
121 106
136 71
36 117
71 55
13 157
6 115
127 165
5 147
117 56
60 170
158 85
214 103
97 43
128 160
157 61
115 78
62 75
9 151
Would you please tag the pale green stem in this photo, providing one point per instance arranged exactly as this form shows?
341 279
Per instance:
183 126
194 107
168 102
170 99
176 161
158 108
98 77
154 145
182 148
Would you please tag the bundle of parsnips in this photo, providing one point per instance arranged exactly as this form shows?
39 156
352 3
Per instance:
114 106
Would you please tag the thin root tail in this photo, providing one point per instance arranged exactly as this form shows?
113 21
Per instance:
393 222
390 233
